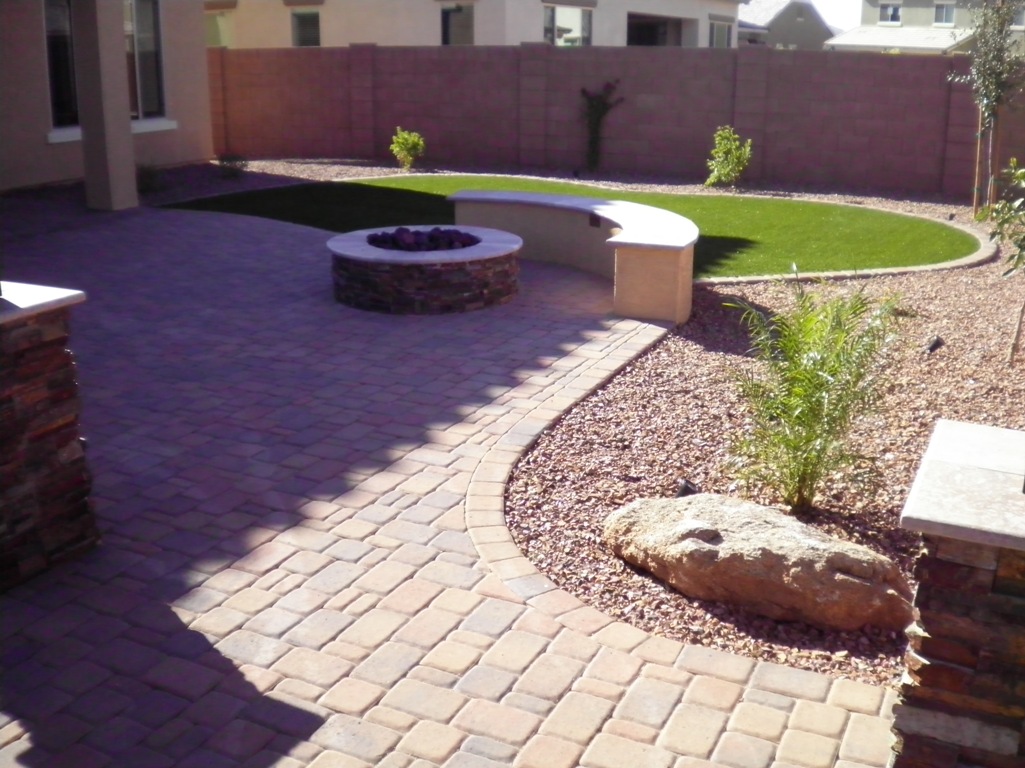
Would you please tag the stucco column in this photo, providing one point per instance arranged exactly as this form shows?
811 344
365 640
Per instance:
103 106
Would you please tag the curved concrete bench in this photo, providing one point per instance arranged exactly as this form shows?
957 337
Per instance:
647 252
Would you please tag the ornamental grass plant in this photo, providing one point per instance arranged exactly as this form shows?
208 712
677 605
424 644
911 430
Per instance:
819 369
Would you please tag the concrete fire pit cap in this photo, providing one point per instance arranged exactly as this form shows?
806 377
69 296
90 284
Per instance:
494 243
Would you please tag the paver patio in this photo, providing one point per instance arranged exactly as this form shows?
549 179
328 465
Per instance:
304 561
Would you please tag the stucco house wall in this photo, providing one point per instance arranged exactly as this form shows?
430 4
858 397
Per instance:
32 152
263 24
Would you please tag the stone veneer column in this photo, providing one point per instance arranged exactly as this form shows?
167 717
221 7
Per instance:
45 514
963 693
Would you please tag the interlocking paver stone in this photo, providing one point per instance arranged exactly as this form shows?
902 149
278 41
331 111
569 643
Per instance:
496 721
577 717
867 740
251 648
432 741
713 693
314 667
548 752
486 682
454 658
608 751
757 720
807 749
742 751
648 702
424 701
692 730
388 663
818 718
428 627
319 628
356 737
789 681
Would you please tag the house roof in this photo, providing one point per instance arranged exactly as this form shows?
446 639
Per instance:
761 12
911 39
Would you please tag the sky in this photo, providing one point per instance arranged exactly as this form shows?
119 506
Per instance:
840 13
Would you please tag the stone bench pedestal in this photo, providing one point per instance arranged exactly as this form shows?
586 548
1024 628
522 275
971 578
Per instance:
45 514
963 694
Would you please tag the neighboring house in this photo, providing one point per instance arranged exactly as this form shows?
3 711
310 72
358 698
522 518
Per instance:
914 26
92 88
298 23
789 24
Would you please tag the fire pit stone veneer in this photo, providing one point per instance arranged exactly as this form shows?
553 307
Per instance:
425 282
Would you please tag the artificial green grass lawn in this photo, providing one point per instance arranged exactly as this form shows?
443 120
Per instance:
739 235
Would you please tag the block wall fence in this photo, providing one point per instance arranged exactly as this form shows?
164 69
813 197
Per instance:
851 120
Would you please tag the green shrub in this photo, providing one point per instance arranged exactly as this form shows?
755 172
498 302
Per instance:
408 147
819 369
598 104
232 166
1007 217
730 157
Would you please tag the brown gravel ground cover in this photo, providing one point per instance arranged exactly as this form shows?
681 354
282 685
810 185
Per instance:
672 412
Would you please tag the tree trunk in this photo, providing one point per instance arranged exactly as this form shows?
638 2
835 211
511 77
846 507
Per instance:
1017 335
977 189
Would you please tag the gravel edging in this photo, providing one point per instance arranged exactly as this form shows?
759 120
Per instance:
670 413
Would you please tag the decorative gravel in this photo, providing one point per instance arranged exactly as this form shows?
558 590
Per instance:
672 413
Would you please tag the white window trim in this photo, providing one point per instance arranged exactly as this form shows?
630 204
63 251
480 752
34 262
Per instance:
893 23
944 24
71 133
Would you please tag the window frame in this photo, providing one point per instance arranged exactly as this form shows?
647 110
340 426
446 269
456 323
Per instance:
719 24
947 5
70 129
550 32
889 21
296 31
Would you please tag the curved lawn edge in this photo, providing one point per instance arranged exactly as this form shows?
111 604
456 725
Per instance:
986 250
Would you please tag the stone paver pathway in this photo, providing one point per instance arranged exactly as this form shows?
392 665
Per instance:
305 562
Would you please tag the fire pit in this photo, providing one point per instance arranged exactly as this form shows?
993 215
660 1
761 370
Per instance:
423 281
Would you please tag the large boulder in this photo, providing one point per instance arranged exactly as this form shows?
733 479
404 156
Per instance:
720 548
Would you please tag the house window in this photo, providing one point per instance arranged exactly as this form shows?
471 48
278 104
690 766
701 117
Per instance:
1019 18
457 25
944 15
567 26
142 48
306 29
889 13
720 34
60 54
142 56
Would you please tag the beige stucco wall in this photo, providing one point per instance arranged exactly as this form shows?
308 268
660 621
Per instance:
29 156
263 24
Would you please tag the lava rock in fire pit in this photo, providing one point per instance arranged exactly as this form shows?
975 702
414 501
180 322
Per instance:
436 239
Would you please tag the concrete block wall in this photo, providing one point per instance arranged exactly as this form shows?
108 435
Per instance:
867 121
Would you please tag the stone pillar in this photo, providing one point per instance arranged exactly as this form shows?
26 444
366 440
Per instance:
101 75
45 514
962 700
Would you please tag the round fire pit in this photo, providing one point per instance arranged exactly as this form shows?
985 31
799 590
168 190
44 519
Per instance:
425 282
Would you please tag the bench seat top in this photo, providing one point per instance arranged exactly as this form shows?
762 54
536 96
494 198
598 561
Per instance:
641 226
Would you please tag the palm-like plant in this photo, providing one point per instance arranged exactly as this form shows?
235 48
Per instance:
819 372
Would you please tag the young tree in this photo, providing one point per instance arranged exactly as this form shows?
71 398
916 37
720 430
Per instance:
996 75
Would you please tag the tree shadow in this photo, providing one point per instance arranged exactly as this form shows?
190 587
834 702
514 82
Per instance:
712 252
229 402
